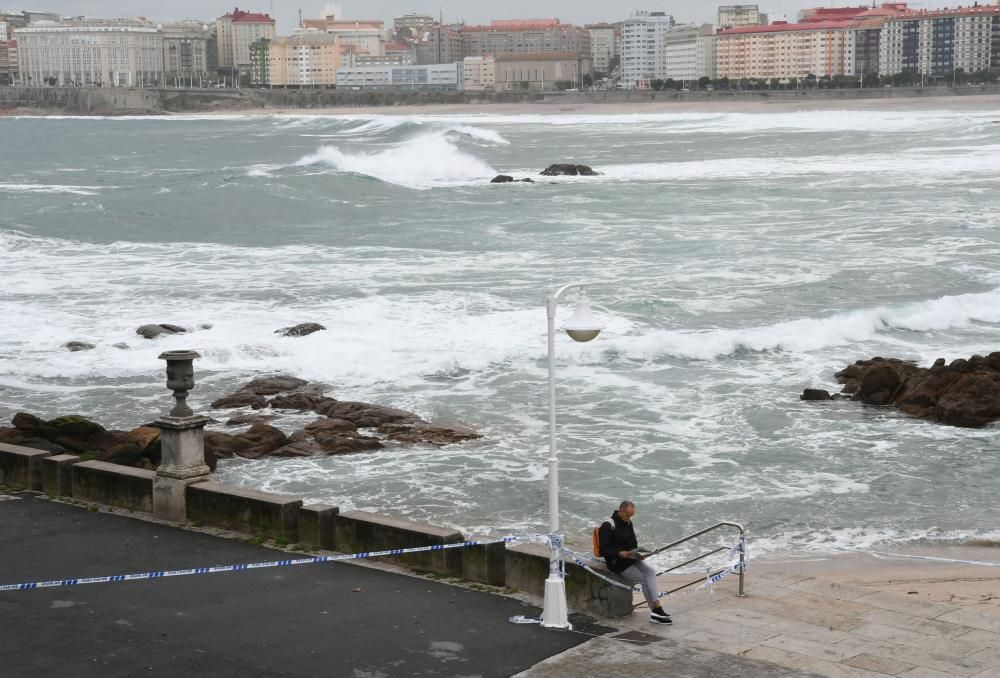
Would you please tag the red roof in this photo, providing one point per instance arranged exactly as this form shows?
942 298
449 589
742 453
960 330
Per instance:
239 16
834 19
524 23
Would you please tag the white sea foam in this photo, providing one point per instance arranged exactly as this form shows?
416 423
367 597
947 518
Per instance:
50 188
425 161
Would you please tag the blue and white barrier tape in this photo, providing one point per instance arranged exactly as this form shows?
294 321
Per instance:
30 586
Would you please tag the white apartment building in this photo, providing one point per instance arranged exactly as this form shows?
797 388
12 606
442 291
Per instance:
690 52
112 52
936 43
4 31
479 74
236 31
430 76
358 37
602 47
644 49
740 16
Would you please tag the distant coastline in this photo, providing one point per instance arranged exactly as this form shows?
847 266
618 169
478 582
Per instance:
48 101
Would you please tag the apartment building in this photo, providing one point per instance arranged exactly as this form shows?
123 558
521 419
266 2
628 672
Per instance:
526 36
413 26
9 73
479 74
603 39
363 36
415 77
740 16
439 45
185 51
689 51
91 52
5 31
304 60
644 39
937 43
235 32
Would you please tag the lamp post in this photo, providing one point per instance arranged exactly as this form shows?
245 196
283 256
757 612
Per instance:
582 327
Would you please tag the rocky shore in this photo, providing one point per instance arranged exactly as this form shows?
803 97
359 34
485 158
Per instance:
963 393
341 427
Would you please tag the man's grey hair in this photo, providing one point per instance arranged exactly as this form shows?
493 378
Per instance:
625 504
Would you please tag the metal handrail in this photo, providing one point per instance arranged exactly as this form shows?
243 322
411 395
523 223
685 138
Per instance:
684 540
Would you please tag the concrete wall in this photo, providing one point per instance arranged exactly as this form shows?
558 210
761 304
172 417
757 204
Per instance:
257 513
113 485
358 531
21 467
528 567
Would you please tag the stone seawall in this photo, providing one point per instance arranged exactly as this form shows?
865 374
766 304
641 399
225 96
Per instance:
121 101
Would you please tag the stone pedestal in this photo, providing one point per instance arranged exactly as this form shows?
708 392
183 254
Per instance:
182 440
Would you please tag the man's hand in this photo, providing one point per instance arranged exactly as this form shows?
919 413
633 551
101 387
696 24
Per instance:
625 554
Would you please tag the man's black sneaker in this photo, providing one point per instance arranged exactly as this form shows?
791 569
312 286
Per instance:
658 616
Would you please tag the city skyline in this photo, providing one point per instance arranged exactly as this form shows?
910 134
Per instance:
471 11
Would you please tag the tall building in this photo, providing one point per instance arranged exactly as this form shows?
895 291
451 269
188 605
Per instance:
690 52
602 47
305 60
416 77
235 32
356 37
740 16
644 49
525 36
412 26
827 42
937 43
440 45
8 62
185 51
91 52
479 74
5 31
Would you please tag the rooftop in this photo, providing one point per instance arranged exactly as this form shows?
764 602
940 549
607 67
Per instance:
239 16
542 56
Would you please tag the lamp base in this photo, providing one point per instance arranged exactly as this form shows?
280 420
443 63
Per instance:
555 614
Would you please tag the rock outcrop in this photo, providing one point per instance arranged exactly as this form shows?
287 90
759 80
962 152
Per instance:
964 393
569 170
77 346
154 331
502 179
303 330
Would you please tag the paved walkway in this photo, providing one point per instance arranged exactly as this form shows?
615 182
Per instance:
810 626
310 620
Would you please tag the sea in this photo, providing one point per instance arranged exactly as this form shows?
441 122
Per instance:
734 259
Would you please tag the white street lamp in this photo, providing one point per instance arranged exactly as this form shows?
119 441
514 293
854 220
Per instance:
582 327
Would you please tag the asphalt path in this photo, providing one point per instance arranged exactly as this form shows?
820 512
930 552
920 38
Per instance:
328 619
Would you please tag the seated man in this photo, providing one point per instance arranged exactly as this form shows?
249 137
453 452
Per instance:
618 543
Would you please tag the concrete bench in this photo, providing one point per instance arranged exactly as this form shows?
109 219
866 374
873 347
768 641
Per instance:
358 531
265 514
528 568
113 485
21 467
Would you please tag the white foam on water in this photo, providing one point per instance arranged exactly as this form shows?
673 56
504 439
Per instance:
51 188
423 162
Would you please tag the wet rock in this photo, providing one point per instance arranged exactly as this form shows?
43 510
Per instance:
248 419
963 393
240 399
331 425
569 170
261 440
436 433
76 346
299 400
815 395
327 442
72 432
121 345
223 445
366 415
502 179
253 394
303 330
527 181
154 331
269 386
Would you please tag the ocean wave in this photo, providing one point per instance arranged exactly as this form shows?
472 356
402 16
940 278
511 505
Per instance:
813 334
50 188
425 161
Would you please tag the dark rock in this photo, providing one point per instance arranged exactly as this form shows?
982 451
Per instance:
298 400
327 442
335 425
125 454
14 436
247 419
963 393
303 330
366 415
261 441
76 346
26 422
269 386
527 181
502 179
223 445
815 395
436 433
153 331
120 345
569 170
240 399
78 434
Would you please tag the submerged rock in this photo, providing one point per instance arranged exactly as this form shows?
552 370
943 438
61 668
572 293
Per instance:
569 170
154 331
303 330
502 179
254 393
76 346
815 395
366 415
435 433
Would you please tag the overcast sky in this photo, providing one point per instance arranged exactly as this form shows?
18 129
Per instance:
472 11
